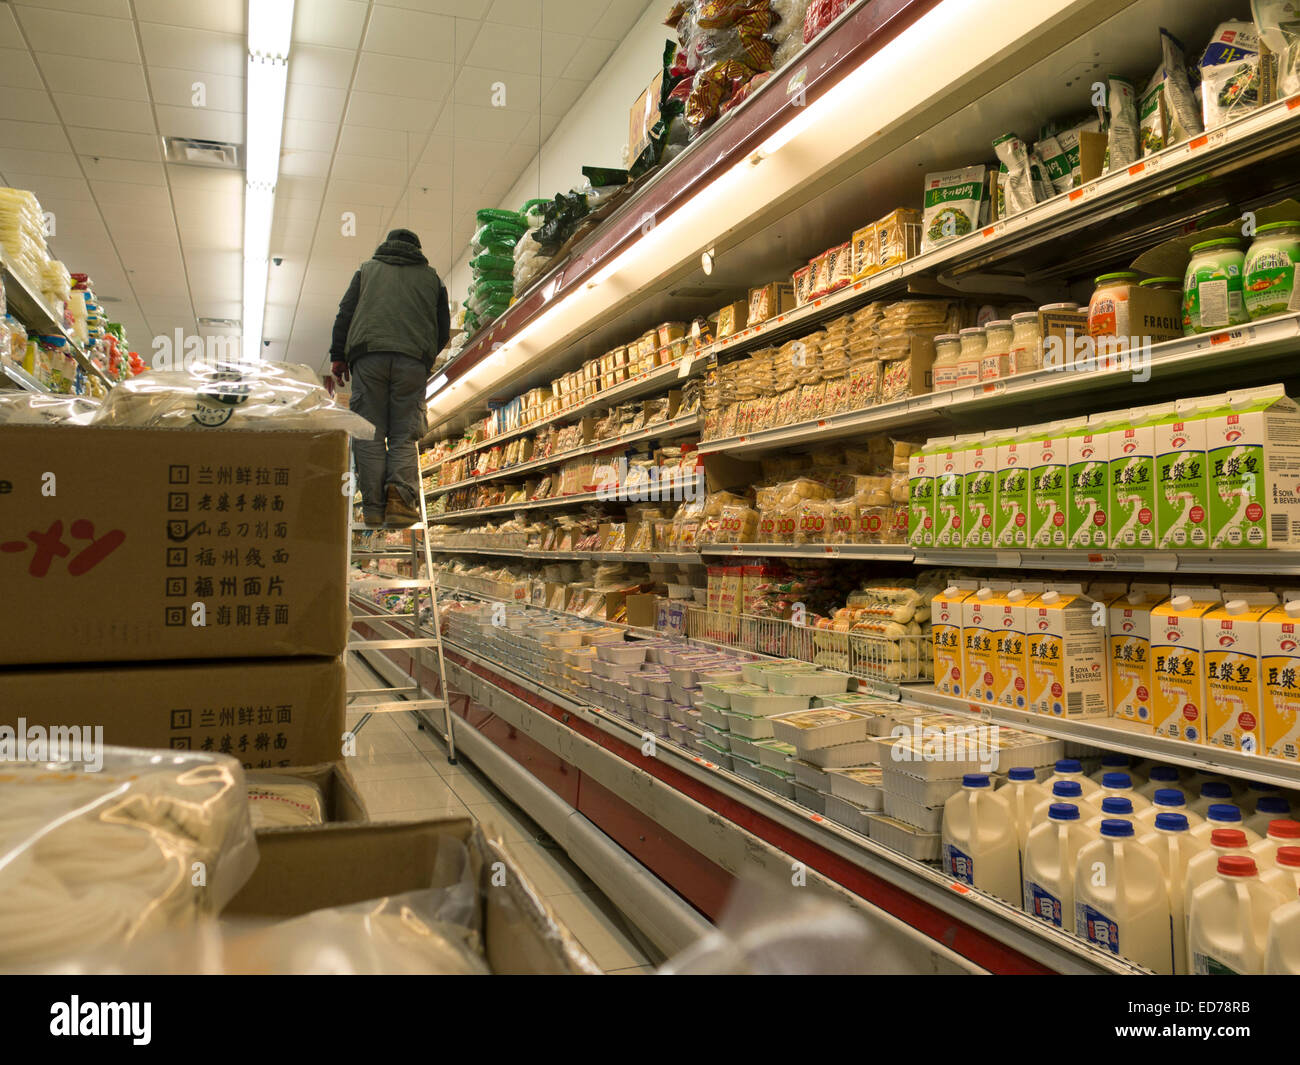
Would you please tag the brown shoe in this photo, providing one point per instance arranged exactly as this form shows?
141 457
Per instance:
398 514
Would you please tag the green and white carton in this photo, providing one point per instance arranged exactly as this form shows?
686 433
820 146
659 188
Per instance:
1088 510
1011 525
949 483
1049 488
979 495
921 480
1182 482
1132 451
1253 450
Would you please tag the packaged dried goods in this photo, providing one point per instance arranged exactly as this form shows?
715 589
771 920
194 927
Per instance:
952 204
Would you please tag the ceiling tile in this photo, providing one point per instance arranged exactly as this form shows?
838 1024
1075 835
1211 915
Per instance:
116 192
381 143
506 46
200 51
205 179
466 9
496 87
557 50
316 65
288 206
391 112
619 17
314 103
486 123
56 164
525 13
400 76
113 144
71 33
27 105
201 123
365 168
394 31
336 23
18 69
45 185
429 179
126 170
225 16
592 54
561 96
89 111
361 193
39 136
304 164
302 135
115 8
95 77
306 188
177 88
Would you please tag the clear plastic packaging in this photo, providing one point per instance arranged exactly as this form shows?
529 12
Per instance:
278 800
236 395
39 408
151 842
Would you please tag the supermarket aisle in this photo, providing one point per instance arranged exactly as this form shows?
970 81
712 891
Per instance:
403 775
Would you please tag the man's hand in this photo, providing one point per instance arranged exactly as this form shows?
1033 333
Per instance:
340 371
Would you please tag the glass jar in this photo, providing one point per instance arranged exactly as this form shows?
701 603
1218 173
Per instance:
1108 309
1212 289
1268 283
1026 343
946 348
972 352
1163 284
996 360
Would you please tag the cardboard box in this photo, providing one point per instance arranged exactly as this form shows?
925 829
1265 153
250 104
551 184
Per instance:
1062 331
1129 637
341 800
1011 524
946 613
981 616
950 470
1280 669
299 872
267 713
921 481
642 118
1011 645
1049 484
243 531
1178 663
1132 451
1067 655
1233 690
1252 451
979 493
1088 505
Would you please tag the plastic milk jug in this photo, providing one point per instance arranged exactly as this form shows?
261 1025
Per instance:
1166 801
1268 808
1282 955
1122 784
1175 847
1121 901
980 844
1227 920
1203 864
1283 832
1024 793
1283 875
1159 776
1071 769
1050 859
1224 815
1067 791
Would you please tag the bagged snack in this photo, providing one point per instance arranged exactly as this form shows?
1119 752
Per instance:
1184 117
952 204
1229 73
1278 23
1026 183
1121 123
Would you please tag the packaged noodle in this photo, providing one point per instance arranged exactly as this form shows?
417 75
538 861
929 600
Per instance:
737 525
811 518
842 520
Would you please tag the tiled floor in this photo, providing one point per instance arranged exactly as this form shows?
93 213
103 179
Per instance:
404 776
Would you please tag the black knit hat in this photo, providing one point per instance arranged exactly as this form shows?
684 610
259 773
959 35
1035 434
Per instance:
404 235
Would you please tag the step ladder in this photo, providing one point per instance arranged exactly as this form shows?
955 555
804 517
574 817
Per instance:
425 638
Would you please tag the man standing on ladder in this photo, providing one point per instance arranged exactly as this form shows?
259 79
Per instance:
392 322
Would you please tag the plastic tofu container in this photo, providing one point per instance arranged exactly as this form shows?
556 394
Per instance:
712 715
842 755
639 682
810 776
723 673
710 751
861 785
679 694
803 682
658 707
597 637
827 726
718 693
680 714
919 790
638 715
719 737
925 818
907 840
745 747
777 780
755 672
751 726
622 654
776 754
809 798
745 767
562 638
658 685
846 813
758 701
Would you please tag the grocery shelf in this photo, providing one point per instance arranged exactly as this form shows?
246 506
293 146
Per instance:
1252 562
26 303
16 376
678 488
1206 355
665 430
869 552
1117 735
683 557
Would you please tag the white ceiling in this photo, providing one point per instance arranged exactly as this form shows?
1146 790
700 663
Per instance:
389 115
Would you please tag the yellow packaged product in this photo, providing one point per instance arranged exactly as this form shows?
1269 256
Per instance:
947 639
864 252
1178 663
1233 676
843 521
738 524
1066 655
1280 665
898 237
811 521
981 615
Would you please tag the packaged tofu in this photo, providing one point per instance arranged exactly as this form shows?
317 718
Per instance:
1088 505
1011 524
1178 663
1129 637
1067 653
1131 456
1182 485
981 619
952 204
1233 689
979 494
1280 681
1253 451
946 620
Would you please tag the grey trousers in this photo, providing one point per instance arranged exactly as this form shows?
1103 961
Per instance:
388 391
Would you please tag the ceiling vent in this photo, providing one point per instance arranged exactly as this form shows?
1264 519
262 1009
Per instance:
189 152
219 323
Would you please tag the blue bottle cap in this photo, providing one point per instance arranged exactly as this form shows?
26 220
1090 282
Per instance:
1272 804
1223 811
1172 822
1069 765
1063 811
1021 772
1116 780
975 780
1116 761
1169 797
1163 772
1067 789
1215 789
1116 804
1116 827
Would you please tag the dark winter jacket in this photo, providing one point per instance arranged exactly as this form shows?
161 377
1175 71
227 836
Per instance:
395 304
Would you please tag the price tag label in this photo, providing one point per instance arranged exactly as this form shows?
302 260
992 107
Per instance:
816 817
1232 338
1103 559
831 550
993 388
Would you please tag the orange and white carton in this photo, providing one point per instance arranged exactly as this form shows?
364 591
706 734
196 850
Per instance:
1067 654
1178 663
1011 679
1128 633
980 619
946 636
1233 692
1279 637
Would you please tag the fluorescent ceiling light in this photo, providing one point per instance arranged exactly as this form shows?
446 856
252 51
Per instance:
270 30
435 385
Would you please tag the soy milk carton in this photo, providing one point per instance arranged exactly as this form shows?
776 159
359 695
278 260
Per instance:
1066 656
981 615
1011 516
1011 648
946 622
1088 506
1128 634
1182 485
1253 449
1178 663
1279 637
979 492
1132 455
920 495
950 470
1233 692
1049 488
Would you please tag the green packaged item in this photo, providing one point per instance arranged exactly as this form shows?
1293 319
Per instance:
1269 284
489 215
486 263
1212 288
498 233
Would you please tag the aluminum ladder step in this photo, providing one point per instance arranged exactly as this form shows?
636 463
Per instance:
397 705
393 645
